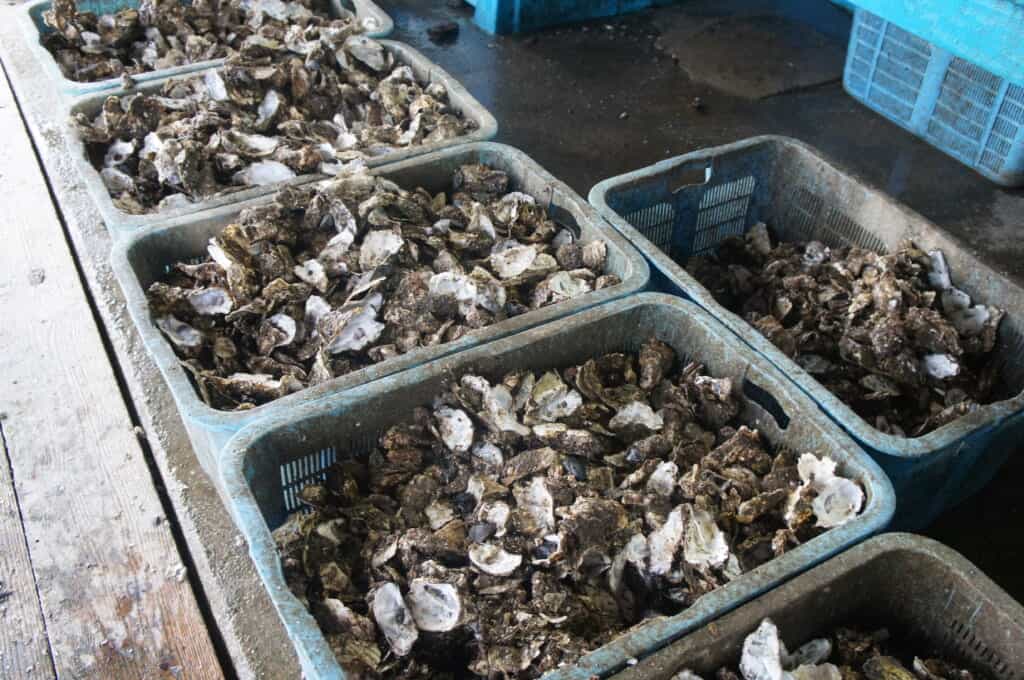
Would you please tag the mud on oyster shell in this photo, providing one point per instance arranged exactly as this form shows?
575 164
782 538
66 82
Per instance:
888 334
497 533
844 654
320 100
334 277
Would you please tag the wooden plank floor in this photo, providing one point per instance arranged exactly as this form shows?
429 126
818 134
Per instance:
97 589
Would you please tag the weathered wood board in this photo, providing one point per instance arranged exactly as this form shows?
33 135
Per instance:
24 652
111 585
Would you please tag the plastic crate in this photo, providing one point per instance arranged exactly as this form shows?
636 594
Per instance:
520 16
964 101
119 222
686 205
145 257
374 20
921 590
265 465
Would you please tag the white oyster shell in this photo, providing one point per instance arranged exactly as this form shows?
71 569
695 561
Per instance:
457 285
313 273
762 654
499 410
940 366
938 277
439 513
210 301
664 542
118 152
838 499
378 246
636 551
455 427
179 332
286 325
394 618
497 513
493 560
361 329
215 86
116 181
663 480
686 674
436 607
368 51
512 262
316 307
636 413
838 502
704 544
535 499
268 109
489 453
551 399
264 172
250 145
480 221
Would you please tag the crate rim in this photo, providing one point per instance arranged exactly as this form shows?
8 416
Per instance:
986 417
121 224
367 9
319 662
192 407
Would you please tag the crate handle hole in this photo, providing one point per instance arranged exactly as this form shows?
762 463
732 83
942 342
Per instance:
765 400
691 177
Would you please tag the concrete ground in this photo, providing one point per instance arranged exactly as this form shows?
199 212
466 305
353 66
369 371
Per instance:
594 100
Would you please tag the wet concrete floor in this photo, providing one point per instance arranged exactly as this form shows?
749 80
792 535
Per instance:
598 99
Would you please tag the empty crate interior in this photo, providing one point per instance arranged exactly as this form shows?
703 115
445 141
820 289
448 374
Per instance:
801 198
285 459
929 607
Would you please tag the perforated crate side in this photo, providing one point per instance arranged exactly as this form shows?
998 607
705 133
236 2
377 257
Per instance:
969 112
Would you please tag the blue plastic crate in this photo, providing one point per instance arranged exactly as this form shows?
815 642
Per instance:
965 95
519 16
143 257
265 465
687 205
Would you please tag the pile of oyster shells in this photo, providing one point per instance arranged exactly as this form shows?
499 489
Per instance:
319 99
512 526
846 654
164 34
888 334
335 276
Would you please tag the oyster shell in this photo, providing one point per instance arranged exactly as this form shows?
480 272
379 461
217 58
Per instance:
277 109
160 35
762 654
496 491
330 278
889 334
493 560
394 618
845 653
436 607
